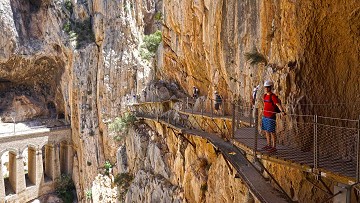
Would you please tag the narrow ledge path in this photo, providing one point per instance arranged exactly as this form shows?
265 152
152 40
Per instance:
257 184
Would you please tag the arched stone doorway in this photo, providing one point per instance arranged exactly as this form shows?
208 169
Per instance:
48 156
65 153
13 180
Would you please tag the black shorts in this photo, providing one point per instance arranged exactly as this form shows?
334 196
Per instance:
217 106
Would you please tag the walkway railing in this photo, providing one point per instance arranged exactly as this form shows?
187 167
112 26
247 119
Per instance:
325 144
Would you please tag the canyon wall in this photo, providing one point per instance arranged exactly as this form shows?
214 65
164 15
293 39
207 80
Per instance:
79 61
74 60
167 168
312 49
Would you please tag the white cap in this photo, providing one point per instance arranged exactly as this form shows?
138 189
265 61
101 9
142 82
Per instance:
268 83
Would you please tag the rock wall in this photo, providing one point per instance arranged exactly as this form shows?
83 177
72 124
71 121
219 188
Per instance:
75 60
312 49
169 169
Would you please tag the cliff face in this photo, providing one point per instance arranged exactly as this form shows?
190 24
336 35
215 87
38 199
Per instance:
312 49
167 168
75 60
79 59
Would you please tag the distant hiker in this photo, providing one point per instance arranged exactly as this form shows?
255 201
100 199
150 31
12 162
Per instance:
254 92
134 98
272 105
144 93
218 101
195 92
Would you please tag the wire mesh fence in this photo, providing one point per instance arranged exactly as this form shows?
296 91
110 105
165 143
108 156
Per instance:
324 143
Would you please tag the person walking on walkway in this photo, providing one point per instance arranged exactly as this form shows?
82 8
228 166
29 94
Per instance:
218 102
195 92
272 105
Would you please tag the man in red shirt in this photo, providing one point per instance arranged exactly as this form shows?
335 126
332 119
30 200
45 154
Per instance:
271 102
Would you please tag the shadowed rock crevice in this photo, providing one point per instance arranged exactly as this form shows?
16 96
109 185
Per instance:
28 86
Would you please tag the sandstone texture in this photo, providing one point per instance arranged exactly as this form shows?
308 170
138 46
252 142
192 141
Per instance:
312 49
169 169
80 61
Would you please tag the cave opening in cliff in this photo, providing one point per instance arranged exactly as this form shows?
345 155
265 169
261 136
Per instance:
30 89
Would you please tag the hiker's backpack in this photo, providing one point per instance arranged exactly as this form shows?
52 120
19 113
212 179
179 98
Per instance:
277 110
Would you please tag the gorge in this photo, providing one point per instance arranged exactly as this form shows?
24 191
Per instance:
78 70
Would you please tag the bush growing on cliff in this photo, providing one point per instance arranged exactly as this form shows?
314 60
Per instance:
79 32
107 166
150 44
63 188
88 194
123 123
69 6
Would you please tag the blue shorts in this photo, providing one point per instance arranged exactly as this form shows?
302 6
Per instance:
268 124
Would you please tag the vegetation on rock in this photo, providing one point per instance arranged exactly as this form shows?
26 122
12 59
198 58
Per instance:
63 188
150 44
80 33
107 166
122 124
88 194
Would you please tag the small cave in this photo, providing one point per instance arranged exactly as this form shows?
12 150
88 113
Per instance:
26 102
51 109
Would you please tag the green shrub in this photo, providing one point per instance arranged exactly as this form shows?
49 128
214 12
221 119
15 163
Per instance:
69 6
158 16
107 166
79 32
152 41
123 123
145 54
63 188
88 194
150 44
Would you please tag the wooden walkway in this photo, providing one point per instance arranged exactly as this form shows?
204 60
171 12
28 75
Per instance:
256 183
245 139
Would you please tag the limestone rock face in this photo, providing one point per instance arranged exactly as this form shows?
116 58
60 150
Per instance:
166 168
311 49
75 60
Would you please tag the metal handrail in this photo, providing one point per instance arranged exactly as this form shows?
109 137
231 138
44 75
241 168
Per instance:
312 134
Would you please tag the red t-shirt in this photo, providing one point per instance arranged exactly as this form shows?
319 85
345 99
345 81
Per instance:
269 107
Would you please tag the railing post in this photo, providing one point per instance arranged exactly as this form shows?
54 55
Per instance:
211 107
192 108
315 143
357 152
223 108
201 107
187 102
233 120
256 131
